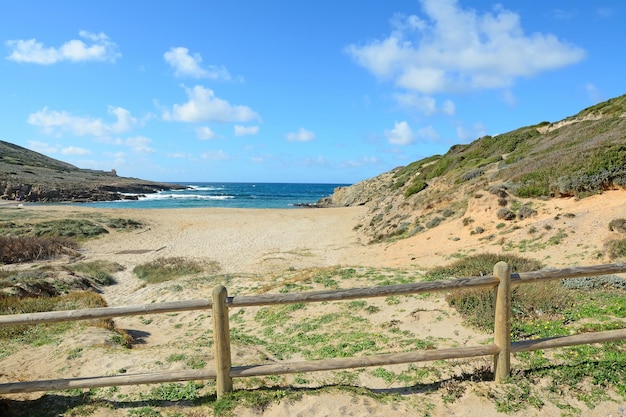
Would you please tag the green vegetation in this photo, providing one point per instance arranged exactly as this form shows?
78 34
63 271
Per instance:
565 377
100 271
166 269
42 334
616 249
78 229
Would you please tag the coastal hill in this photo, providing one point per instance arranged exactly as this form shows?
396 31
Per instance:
579 156
30 176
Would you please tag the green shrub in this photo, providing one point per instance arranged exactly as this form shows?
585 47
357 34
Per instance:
123 224
417 186
481 264
618 225
434 222
165 269
616 249
505 214
79 229
476 306
99 271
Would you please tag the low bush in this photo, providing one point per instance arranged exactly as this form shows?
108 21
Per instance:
476 306
525 212
434 222
78 229
43 333
505 214
618 225
165 269
26 249
415 187
616 248
99 271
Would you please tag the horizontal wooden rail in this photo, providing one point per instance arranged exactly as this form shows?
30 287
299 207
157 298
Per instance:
249 371
565 273
368 292
487 281
106 381
362 362
563 341
104 312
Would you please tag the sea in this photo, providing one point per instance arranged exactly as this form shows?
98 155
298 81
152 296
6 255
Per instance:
233 195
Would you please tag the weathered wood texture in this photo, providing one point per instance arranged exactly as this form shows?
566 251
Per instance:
221 341
363 361
502 322
563 341
104 312
106 381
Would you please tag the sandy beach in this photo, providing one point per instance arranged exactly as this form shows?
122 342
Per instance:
252 245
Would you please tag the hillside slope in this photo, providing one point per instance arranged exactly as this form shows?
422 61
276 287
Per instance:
579 156
31 176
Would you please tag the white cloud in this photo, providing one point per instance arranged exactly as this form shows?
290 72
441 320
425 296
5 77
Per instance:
73 150
205 133
401 134
594 93
366 160
509 98
604 12
58 122
562 14
427 133
448 107
246 130
455 49
186 65
139 144
75 50
313 161
424 104
178 155
302 135
478 130
216 155
118 159
204 106
42 147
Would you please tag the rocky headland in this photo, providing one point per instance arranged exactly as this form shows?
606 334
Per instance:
32 177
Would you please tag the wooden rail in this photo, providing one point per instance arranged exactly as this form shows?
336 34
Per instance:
502 280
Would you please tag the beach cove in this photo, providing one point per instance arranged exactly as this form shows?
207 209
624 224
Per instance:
254 246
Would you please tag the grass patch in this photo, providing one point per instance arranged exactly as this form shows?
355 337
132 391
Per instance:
75 228
42 334
166 269
100 271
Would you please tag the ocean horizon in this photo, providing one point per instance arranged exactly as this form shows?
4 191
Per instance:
228 195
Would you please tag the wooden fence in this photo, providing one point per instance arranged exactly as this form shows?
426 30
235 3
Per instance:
502 280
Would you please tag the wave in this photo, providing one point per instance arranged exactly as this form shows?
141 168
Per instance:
171 196
205 188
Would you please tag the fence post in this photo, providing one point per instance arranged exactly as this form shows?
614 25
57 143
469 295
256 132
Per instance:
221 341
502 322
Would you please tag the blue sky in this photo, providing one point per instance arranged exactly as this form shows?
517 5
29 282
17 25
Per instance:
293 91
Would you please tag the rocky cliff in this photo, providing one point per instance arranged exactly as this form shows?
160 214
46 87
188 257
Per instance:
29 176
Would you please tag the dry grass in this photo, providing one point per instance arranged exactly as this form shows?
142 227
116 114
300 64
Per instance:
27 249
